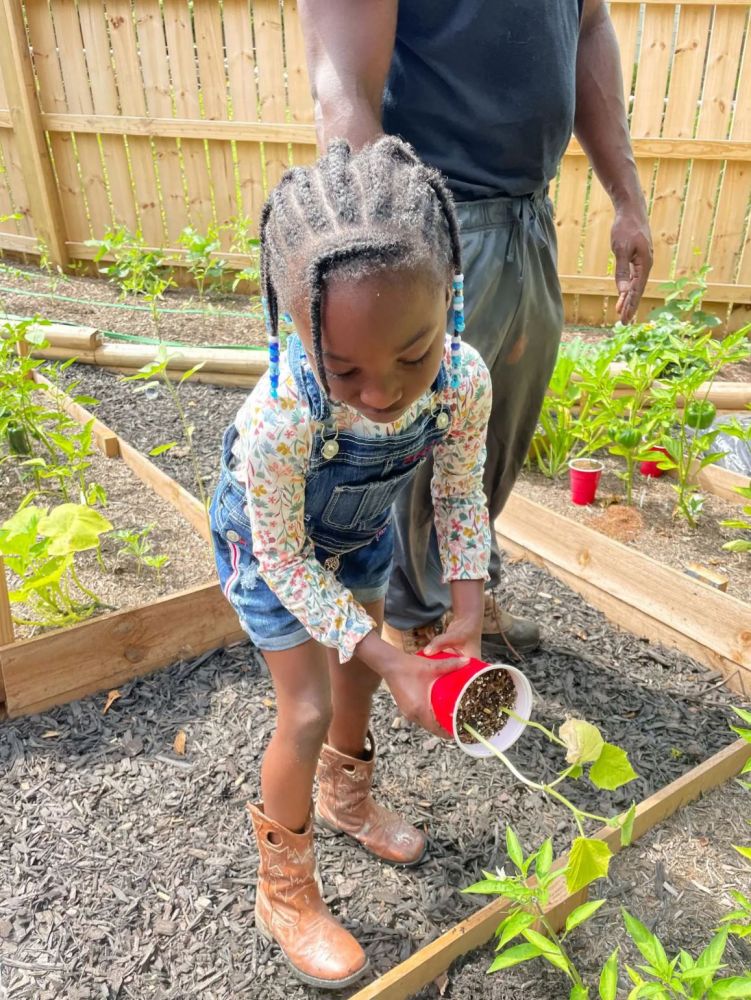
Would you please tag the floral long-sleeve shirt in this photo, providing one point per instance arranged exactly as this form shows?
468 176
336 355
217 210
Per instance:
272 454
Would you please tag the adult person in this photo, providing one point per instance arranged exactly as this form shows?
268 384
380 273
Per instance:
488 93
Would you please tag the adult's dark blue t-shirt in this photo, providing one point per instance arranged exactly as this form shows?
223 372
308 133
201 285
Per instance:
485 90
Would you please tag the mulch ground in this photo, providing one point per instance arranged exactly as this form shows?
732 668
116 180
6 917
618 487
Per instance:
128 870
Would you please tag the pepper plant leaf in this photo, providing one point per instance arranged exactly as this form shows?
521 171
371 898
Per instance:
609 978
73 527
514 956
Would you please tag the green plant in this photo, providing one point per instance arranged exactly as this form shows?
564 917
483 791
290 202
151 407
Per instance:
691 446
200 256
41 438
39 546
248 246
134 268
152 376
137 544
740 544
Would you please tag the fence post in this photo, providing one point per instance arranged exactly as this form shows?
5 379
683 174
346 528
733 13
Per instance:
18 76
6 622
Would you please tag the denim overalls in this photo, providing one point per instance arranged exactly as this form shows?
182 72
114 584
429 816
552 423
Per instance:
351 484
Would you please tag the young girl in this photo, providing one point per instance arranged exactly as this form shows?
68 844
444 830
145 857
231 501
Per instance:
363 252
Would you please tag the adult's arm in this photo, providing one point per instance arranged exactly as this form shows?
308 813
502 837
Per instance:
349 44
600 126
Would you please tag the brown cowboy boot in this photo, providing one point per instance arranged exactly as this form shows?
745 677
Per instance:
345 805
290 911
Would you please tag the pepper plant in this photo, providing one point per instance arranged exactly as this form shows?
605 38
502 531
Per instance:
134 268
201 257
691 445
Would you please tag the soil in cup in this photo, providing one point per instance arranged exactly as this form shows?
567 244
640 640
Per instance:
483 703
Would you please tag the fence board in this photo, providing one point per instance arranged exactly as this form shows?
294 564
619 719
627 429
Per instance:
47 68
132 102
105 102
300 99
158 94
714 117
680 115
596 249
179 33
730 238
241 71
208 29
13 194
267 25
78 101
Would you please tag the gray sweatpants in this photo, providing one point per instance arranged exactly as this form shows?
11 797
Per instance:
514 317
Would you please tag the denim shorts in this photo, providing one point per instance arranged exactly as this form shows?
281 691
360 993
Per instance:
365 571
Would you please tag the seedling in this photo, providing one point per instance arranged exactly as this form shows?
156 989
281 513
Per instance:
201 257
133 268
137 544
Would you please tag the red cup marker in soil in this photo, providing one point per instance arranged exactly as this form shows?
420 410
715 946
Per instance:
651 468
476 694
584 475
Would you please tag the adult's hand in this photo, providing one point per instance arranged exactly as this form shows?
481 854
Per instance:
632 245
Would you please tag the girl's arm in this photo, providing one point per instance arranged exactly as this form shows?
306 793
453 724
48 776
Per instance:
461 513
279 441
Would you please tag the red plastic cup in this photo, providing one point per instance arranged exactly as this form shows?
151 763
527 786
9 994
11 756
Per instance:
584 475
651 468
447 691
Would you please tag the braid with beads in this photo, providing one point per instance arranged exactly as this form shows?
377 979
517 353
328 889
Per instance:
355 214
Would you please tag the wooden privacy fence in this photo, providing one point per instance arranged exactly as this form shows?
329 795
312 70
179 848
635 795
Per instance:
159 114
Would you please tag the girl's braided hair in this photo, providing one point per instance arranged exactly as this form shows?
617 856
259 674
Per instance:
353 214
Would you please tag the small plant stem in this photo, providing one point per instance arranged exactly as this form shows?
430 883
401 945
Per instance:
577 813
558 941
188 437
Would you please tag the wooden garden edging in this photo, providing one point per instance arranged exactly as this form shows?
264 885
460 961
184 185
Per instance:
410 976
634 591
104 652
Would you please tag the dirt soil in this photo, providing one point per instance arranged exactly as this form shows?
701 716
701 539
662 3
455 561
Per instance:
128 870
131 505
649 525
220 318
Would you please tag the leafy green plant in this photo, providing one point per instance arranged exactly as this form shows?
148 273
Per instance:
134 268
666 978
201 257
41 439
691 446
136 543
155 375
740 544
39 546
247 245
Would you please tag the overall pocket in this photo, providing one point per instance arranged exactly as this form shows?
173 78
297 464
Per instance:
361 508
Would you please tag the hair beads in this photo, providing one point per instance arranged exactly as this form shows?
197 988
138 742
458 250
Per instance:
273 336
456 336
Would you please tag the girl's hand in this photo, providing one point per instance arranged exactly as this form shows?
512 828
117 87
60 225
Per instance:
409 678
462 636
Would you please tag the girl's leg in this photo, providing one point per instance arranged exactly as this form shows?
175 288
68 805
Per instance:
303 697
353 685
